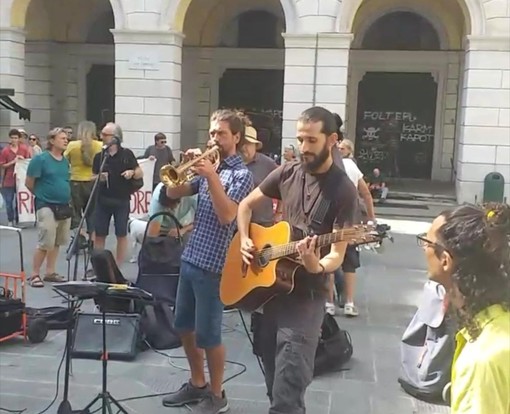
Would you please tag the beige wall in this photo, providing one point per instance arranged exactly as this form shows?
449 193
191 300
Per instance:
48 70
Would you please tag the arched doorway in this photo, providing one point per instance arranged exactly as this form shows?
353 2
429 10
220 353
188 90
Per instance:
64 40
100 71
228 61
403 102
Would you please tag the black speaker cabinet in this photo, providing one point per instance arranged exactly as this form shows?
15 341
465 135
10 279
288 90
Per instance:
122 336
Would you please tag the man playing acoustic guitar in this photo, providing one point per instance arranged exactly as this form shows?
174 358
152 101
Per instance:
319 199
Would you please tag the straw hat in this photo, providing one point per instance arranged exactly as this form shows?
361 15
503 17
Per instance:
250 135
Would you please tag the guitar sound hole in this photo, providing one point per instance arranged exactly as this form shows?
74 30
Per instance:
262 257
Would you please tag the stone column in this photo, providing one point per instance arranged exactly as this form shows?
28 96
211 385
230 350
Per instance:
484 134
148 86
315 74
12 76
38 86
332 69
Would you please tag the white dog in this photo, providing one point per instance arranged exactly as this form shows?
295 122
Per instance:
136 230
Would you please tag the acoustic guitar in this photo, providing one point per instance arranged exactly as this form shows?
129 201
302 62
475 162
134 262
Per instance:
272 270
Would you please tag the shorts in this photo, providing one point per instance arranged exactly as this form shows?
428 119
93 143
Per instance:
52 233
198 306
103 216
351 260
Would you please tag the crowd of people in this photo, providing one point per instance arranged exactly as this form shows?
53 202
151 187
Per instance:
318 190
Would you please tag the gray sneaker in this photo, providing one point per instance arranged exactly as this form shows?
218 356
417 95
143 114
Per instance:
212 405
187 394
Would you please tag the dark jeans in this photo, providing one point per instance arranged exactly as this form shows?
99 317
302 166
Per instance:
290 334
80 194
11 204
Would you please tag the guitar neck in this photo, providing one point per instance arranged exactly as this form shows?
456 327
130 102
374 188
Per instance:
278 252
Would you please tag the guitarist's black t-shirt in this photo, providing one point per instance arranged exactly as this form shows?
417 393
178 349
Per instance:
301 195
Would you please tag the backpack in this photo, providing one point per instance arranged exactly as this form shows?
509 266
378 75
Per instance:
334 349
157 326
428 346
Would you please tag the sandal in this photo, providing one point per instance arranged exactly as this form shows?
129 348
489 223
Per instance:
36 281
53 277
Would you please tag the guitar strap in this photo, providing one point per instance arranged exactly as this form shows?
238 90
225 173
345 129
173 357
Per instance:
315 217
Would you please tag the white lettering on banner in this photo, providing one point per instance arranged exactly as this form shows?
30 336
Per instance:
140 200
25 199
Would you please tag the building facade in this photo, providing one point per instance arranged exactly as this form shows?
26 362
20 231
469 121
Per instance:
423 87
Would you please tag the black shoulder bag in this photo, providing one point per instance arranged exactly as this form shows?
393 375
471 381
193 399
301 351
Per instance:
134 183
60 211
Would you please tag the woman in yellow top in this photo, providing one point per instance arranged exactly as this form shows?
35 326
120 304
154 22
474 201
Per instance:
80 154
468 252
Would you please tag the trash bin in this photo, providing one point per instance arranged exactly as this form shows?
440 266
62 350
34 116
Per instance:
493 188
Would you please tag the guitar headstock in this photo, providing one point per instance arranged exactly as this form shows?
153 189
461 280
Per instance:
370 234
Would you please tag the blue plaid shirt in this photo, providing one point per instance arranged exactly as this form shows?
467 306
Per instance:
209 241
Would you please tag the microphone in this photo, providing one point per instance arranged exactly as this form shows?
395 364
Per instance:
114 141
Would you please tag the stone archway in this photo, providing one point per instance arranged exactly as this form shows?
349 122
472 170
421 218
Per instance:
218 61
55 74
440 61
18 12
173 14
473 11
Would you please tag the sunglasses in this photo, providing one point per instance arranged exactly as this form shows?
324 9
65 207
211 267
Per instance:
33 139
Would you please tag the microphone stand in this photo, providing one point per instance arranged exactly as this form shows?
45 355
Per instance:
72 250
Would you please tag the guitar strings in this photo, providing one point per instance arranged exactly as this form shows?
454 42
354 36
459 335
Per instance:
285 249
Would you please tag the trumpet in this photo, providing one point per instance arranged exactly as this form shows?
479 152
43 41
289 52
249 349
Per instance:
172 176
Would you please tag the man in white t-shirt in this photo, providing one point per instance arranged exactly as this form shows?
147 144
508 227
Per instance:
351 261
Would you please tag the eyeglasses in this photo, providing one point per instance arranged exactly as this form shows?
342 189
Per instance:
33 139
422 241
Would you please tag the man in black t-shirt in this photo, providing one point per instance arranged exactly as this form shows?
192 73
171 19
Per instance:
113 198
319 198
160 152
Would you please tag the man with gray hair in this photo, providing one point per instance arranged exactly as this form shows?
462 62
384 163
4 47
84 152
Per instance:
115 188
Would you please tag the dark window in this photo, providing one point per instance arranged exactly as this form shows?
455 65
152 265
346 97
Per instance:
401 31
257 29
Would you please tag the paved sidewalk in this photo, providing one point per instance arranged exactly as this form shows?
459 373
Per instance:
389 285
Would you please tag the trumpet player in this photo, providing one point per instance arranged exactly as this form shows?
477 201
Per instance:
199 310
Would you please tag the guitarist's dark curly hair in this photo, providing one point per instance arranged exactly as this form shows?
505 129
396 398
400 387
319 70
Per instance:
478 239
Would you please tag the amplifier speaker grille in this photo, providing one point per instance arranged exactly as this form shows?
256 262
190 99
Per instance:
122 336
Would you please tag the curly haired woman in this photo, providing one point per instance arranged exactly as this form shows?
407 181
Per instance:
468 252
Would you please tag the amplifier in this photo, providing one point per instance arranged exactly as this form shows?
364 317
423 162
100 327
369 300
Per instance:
122 336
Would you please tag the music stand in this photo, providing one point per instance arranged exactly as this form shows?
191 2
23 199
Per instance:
97 290
73 250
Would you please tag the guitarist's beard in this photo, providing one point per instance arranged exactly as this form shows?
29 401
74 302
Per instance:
311 162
